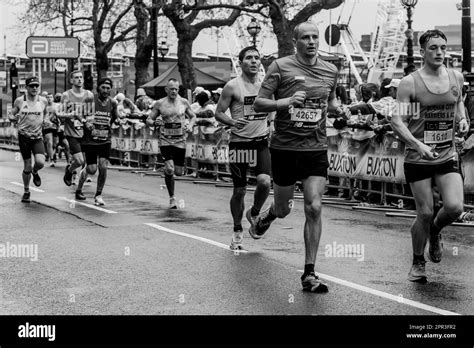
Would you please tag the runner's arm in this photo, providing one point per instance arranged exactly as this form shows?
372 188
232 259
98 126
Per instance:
191 115
15 112
399 118
460 116
339 110
222 106
154 114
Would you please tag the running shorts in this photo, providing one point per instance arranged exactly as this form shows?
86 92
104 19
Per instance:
96 151
416 172
173 153
290 166
245 155
27 146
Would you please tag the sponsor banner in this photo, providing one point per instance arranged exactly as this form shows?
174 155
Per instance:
210 147
376 158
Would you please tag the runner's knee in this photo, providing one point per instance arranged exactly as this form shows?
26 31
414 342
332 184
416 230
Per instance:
264 181
453 210
239 192
91 169
424 214
313 210
169 171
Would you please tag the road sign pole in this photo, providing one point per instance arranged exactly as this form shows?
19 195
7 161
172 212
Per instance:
55 83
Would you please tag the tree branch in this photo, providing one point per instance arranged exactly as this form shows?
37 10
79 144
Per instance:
312 8
208 23
120 16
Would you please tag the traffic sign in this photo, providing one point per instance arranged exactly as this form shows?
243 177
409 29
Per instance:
60 65
52 47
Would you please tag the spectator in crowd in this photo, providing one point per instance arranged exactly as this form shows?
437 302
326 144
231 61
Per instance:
143 102
216 94
195 104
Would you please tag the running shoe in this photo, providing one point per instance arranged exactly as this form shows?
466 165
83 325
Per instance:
435 249
236 242
36 179
173 204
98 200
417 272
88 180
312 283
80 196
52 164
67 176
260 224
26 197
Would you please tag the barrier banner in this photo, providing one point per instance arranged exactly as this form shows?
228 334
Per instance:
129 139
209 147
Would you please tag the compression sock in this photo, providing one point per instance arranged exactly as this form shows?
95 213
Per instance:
254 211
169 180
238 228
308 269
418 258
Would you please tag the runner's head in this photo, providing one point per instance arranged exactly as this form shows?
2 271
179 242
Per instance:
433 45
50 98
76 78
104 87
57 97
249 59
32 86
172 88
306 39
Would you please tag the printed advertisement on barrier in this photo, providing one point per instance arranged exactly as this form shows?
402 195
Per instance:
379 159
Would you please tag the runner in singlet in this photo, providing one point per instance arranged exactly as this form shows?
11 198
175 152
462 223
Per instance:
50 129
170 114
429 109
28 113
248 146
76 104
97 139
303 87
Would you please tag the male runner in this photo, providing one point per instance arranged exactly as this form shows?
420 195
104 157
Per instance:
304 88
97 139
430 104
248 144
50 129
76 105
29 112
169 113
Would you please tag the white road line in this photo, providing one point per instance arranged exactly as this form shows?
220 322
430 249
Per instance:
398 299
87 205
343 282
31 188
205 240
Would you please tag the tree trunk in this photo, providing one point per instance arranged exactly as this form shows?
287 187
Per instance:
185 62
101 61
144 44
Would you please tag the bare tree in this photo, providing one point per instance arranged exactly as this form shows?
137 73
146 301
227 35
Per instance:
185 19
283 26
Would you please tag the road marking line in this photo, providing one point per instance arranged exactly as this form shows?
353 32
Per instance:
385 295
87 205
205 240
31 188
343 282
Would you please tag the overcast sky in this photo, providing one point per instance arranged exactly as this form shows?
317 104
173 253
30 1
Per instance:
427 14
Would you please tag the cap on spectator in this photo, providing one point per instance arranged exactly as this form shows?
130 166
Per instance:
217 91
141 92
105 80
394 83
32 81
198 90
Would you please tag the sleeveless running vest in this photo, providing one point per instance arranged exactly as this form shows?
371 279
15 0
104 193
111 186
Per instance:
172 133
435 124
83 105
258 125
101 133
31 117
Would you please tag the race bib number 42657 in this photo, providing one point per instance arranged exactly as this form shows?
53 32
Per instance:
306 115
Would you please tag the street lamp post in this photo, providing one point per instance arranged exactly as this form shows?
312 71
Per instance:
409 5
253 29
154 28
163 50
